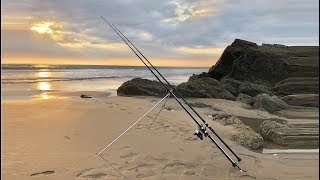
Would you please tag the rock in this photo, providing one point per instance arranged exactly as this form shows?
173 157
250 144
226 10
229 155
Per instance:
246 61
247 137
226 119
245 98
297 85
269 103
253 89
204 87
224 65
291 135
231 85
260 66
244 134
85 96
196 76
142 87
311 100
273 131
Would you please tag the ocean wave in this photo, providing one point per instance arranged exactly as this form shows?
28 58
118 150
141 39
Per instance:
35 80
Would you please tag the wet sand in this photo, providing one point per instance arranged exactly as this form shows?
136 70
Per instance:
57 138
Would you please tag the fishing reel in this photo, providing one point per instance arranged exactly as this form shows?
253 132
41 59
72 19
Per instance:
201 132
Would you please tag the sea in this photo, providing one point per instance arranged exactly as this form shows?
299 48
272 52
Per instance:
23 80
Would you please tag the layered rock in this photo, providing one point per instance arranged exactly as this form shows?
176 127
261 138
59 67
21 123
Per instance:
290 69
291 135
246 61
311 100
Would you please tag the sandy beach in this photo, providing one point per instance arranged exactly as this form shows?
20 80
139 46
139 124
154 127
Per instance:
57 138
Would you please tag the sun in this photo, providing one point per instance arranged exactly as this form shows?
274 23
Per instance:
43 27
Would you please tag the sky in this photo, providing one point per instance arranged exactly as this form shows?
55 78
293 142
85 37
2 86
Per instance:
168 32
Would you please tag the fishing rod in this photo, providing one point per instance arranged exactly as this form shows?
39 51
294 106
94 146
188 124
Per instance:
202 129
176 91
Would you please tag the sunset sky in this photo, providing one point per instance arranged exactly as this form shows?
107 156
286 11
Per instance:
168 32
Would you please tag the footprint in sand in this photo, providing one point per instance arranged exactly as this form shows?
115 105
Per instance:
148 174
42 173
94 174
177 166
97 175
189 173
141 166
129 157
84 171
247 176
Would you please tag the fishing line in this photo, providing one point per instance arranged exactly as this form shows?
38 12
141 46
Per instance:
164 104
206 124
202 128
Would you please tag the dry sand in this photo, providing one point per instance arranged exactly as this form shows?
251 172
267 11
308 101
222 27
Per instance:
57 138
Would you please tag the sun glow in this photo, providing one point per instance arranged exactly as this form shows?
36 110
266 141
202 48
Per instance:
43 74
44 86
43 27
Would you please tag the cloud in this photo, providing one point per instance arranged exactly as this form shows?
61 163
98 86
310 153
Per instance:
165 29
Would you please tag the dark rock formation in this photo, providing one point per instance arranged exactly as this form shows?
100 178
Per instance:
196 76
245 98
297 85
292 69
253 89
142 87
231 85
269 103
224 65
204 87
247 68
246 61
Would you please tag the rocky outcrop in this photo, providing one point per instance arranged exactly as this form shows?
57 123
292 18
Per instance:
297 85
225 64
245 98
204 87
246 61
269 103
290 69
247 68
231 85
142 87
253 89
291 135
244 135
311 100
